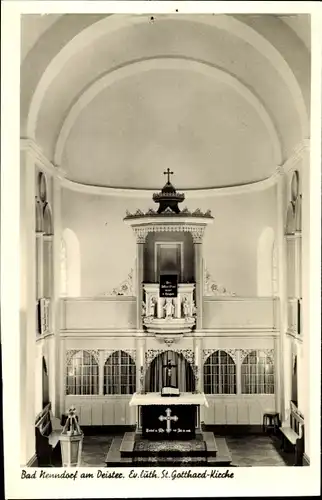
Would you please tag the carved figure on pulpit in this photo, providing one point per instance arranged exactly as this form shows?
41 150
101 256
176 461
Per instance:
153 304
186 308
143 308
194 308
168 308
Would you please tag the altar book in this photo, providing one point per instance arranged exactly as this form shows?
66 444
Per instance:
170 391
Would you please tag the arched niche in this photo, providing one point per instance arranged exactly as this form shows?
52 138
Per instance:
266 263
182 374
70 264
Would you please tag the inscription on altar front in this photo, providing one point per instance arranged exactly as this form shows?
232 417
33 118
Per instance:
168 422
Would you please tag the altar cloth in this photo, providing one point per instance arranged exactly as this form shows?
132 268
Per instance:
155 398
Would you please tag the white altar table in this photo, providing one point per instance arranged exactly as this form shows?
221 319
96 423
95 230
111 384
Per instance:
155 398
191 401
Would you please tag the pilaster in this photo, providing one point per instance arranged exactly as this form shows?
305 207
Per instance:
199 275
28 306
140 240
282 373
56 243
140 358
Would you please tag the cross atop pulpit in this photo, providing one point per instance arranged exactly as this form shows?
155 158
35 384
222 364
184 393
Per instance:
168 173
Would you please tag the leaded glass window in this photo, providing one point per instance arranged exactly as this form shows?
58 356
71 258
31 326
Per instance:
257 373
220 374
119 374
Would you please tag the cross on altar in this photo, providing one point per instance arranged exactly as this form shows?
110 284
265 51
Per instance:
168 173
168 368
168 418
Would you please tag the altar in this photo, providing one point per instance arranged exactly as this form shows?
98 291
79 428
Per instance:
160 417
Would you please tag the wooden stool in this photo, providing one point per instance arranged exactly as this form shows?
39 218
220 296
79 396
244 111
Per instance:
270 421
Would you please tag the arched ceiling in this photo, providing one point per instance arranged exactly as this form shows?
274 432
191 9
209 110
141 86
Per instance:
116 99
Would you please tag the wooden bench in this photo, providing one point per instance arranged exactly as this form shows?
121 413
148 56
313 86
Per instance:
292 431
47 430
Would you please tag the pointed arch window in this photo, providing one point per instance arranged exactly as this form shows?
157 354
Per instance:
257 373
219 374
82 374
119 374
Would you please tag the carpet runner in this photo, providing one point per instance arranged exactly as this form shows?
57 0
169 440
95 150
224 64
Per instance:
173 448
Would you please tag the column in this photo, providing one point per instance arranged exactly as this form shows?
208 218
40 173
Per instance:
101 354
27 306
140 355
140 240
57 398
198 341
39 264
197 241
282 381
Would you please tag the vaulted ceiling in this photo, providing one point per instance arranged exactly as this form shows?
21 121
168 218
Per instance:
114 100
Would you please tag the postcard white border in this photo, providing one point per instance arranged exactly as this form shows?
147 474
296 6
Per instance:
277 481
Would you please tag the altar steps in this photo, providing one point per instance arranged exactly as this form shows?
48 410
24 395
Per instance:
204 450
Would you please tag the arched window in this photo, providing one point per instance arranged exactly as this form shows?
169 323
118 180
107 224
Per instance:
290 219
119 374
48 223
70 270
266 263
219 374
182 375
82 374
39 217
298 214
257 373
45 384
294 379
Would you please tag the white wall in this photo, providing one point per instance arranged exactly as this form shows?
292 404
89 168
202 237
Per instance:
108 248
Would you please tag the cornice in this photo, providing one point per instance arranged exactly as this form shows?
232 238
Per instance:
31 146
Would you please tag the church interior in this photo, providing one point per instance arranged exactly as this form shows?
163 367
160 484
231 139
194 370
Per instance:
164 238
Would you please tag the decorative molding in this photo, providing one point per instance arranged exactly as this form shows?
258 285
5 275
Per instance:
70 353
109 352
126 288
196 228
31 147
208 352
244 353
211 288
150 354
168 213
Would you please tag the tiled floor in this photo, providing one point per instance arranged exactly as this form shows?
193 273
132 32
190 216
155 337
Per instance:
247 451
257 451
